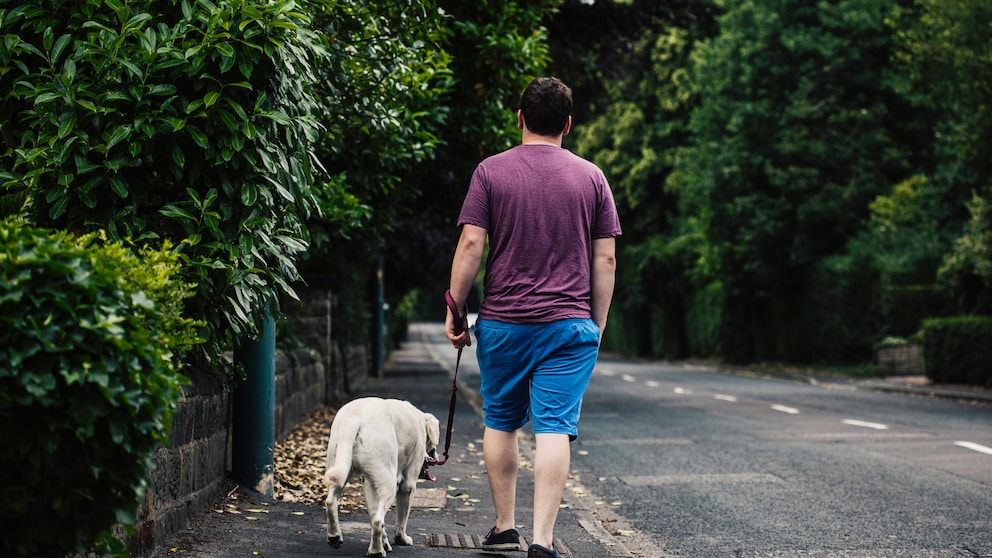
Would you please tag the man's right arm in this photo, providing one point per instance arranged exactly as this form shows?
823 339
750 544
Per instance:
464 268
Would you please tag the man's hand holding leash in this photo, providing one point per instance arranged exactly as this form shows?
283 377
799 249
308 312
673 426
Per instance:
456 327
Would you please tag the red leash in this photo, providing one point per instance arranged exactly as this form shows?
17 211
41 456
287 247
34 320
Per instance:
461 324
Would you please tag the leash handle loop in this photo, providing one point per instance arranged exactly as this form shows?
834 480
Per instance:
461 322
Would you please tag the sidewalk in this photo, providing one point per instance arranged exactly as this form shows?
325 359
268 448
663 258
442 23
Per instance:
449 517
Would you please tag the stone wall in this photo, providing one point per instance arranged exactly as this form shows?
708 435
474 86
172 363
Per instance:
901 359
191 471
301 387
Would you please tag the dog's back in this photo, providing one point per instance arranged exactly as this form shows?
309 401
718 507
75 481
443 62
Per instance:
364 432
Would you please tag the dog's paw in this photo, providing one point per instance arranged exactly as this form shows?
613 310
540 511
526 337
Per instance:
335 542
403 540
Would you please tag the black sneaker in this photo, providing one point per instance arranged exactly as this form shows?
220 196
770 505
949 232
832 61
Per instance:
507 540
538 551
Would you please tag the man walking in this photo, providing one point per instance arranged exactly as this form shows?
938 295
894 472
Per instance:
551 222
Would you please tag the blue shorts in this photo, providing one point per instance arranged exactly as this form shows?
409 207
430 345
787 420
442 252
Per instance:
535 372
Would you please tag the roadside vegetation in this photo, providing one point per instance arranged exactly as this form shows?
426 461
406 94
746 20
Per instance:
797 183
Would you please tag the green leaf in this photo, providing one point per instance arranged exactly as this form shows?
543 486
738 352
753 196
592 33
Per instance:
226 63
171 210
249 194
45 97
198 136
120 133
58 209
62 42
118 186
178 157
225 50
67 121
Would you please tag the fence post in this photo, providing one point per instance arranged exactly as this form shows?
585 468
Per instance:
380 318
254 407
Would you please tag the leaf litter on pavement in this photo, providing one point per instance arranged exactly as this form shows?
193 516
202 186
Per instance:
300 462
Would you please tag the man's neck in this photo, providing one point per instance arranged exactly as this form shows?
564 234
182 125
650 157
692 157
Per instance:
535 139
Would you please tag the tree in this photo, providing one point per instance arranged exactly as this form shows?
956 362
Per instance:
967 269
945 50
798 128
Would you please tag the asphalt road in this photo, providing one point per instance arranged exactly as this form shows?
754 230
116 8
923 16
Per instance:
685 460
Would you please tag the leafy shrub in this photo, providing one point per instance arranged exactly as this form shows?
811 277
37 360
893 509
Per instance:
958 349
88 341
188 120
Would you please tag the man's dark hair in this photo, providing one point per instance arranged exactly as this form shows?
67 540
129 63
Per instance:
546 104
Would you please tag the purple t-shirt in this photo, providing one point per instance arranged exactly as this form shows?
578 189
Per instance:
542 206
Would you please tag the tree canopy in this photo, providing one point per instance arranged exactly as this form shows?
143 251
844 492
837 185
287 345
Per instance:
789 173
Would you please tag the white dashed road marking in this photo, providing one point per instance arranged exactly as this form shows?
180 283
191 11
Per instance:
861 423
975 447
722 397
786 410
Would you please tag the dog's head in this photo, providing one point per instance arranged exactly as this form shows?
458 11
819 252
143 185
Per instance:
433 437
433 434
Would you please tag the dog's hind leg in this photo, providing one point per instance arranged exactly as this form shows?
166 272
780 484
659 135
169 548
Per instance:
378 499
404 500
334 537
339 465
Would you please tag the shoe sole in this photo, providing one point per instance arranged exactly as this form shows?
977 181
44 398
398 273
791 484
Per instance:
501 546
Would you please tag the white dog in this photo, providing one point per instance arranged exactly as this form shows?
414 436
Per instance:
386 440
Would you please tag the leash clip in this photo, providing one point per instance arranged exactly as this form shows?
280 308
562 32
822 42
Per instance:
425 471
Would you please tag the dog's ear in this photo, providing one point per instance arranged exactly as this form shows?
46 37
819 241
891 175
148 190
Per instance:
433 430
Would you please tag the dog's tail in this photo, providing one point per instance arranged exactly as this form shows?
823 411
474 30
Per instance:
339 453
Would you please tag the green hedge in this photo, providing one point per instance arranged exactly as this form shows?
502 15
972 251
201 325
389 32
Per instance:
89 338
958 350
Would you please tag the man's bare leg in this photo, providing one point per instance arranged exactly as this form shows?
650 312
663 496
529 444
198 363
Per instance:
551 462
500 451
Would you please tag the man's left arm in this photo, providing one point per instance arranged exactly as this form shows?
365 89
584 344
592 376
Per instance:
604 267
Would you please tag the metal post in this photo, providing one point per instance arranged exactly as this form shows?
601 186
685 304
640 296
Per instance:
380 322
254 405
